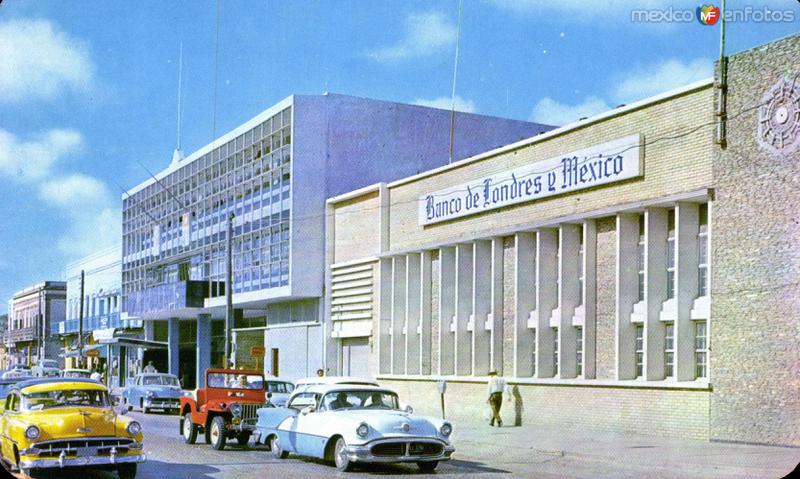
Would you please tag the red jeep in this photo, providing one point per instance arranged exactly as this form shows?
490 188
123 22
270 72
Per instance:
225 408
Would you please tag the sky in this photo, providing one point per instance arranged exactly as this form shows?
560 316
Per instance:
89 89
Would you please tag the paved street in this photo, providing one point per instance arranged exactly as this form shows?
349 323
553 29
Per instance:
480 452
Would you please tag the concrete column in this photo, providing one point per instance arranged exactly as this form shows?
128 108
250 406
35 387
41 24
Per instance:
203 348
426 265
398 314
495 317
686 226
463 313
173 345
655 251
589 299
481 307
413 293
149 330
569 297
383 329
525 294
546 299
627 293
447 308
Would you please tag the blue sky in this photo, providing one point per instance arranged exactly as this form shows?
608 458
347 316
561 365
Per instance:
89 89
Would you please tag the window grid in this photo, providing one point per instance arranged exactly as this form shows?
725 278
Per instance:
555 352
579 350
669 350
701 349
702 251
533 354
640 257
671 254
581 269
639 350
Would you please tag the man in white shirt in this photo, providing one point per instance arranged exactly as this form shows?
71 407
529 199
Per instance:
150 368
497 386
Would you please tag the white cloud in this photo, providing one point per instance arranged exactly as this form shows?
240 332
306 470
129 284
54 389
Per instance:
446 103
90 230
552 112
33 159
653 79
426 33
40 61
75 191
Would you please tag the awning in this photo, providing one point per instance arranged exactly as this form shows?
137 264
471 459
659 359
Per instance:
131 342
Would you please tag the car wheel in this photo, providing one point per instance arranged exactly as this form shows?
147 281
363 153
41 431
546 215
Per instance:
427 466
343 463
127 471
243 438
218 433
276 448
189 429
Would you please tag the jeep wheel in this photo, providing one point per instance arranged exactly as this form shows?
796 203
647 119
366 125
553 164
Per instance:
127 471
189 429
218 430
340 458
276 449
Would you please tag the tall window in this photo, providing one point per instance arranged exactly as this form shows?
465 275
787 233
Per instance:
579 350
555 352
702 251
639 350
558 265
700 350
669 349
581 270
640 257
671 254
533 352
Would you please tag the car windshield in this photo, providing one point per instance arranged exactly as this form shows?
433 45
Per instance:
20 366
339 400
235 381
279 387
161 380
36 401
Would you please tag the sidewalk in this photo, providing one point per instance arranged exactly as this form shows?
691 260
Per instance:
535 452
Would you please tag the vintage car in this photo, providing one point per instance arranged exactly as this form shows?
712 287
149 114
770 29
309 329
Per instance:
349 424
303 384
17 371
76 373
5 388
225 408
278 391
46 368
154 391
57 423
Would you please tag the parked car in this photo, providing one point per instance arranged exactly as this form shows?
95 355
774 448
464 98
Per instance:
5 388
302 384
348 424
76 373
46 368
225 408
154 391
57 423
278 391
17 371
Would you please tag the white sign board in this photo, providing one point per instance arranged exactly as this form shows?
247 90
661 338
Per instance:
609 162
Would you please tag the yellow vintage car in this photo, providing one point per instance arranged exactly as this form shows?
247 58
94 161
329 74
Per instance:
56 423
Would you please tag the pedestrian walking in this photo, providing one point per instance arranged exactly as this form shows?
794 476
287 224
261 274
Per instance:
496 387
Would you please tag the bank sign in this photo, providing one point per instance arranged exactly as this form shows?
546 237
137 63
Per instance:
609 162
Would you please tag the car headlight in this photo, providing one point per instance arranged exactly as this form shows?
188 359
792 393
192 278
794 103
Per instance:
446 429
133 428
236 409
150 394
362 430
32 432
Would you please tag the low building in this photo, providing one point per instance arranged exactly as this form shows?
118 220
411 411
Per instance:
594 266
272 174
31 313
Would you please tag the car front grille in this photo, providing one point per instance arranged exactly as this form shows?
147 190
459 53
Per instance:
249 411
94 446
415 448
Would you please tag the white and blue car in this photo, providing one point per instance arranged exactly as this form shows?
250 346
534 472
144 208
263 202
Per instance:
349 424
150 391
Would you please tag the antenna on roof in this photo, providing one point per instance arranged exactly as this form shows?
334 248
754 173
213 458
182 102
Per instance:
455 74
177 155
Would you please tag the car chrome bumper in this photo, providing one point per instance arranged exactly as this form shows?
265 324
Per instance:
364 454
53 463
161 404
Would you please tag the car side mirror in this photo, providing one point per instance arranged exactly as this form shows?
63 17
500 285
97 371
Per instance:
307 410
409 409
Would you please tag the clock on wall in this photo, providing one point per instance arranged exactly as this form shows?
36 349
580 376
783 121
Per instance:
779 117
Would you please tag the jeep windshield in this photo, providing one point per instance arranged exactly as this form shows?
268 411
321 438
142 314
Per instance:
341 400
38 401
235 381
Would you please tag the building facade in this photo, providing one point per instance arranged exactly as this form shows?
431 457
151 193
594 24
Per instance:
594 266
3 336
272 175
31 314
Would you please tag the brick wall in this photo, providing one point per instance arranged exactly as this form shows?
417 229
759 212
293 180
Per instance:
655 412
755 308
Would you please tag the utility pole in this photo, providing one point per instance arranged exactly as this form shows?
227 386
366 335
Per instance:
228 292
80 326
